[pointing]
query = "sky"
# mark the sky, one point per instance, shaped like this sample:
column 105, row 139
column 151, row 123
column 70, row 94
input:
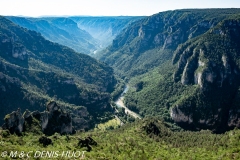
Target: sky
column 35, row 8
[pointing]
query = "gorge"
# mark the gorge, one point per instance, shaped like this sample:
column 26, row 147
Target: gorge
column 165, row 86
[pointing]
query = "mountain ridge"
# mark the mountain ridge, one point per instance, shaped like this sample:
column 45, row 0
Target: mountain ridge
column 35, row 70
column 147, row 53
column 54, row 29
column 104, row 28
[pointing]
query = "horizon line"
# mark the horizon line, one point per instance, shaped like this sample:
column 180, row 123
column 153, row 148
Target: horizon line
column 75, row 15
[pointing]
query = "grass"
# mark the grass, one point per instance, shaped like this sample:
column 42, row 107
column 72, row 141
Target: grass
column 131, row 142
column 111, row 124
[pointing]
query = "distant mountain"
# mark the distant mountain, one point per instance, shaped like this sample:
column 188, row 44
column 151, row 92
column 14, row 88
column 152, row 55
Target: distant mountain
column 61, row 30
column 161, row 33
column 34, row 70
column 104, row 29
column 200, row 89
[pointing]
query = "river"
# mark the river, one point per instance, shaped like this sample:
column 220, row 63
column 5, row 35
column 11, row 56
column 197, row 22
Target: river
column 120, row 103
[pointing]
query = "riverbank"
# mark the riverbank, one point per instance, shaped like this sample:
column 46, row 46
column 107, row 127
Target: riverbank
column 120, row 103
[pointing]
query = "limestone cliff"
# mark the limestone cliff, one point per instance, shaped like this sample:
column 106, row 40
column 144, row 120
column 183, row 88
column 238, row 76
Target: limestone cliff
column 211, row 62
column 153, row 38
column 53, row 119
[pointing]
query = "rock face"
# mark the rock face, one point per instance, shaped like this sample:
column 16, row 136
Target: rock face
column 14, row 122
column 134, row 49
column 11, row 47
column 206, row 53
column 210, row 62
column 54, row 119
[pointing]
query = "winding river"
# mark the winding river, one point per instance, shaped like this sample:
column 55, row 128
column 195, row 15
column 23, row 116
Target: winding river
column 120, row 103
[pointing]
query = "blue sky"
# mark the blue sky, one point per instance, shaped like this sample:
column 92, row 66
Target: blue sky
column 105, row 7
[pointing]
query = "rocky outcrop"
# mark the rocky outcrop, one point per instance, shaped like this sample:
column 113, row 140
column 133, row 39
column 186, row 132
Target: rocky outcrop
column 87, row 142
column 33, row 69
column 14, row 122
column 54, row 119
column 179, row 116
column 14, row 48
column 133, row 51
column 211, row 64
column 19, row 52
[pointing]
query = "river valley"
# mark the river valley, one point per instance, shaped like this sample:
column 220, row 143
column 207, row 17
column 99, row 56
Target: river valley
column 120, row 103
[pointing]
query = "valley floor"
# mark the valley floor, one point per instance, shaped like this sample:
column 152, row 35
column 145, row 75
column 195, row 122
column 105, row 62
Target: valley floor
column 120, row 103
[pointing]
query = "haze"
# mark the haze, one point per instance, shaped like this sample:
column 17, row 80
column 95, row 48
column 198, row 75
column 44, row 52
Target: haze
column 104, row 7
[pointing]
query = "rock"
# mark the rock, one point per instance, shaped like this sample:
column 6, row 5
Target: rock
column 36, row 114
column 14, row 122
column 45, row 141
column 19, row 52
column 180, row 117
column 44, row 120
column 52, row 106
column 215, row 75
column 159, row 39
column 26, row 114
column 54, row 119
column 86, row 143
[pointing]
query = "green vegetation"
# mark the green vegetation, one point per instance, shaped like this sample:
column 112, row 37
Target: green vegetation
column 118, row 89
column 35, row 70
column 145, row 139
column 212, row 59
column 111, row 124
column 158, row 93
column 7, row 117
column 182, row 66
column 150, row 41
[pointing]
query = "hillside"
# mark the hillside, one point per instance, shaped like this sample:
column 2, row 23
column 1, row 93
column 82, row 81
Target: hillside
column 104, row 29
column 143, row 54
column 60, row 30
column 144, row 43
column 142, row 140
column 211, row 62
column 34, row 70
column 168, row 87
